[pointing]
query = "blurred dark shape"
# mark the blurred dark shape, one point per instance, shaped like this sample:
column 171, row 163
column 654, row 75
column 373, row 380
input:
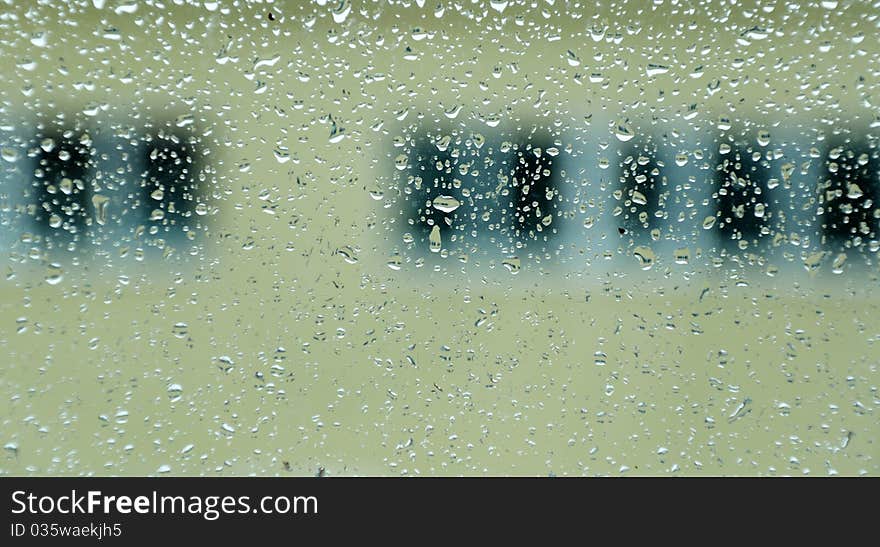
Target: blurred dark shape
column 445, row 186
column 169, row 187
column 848, row 193
column 742, row 177
column 641, row 187
column 60, row 189
column 535, row 195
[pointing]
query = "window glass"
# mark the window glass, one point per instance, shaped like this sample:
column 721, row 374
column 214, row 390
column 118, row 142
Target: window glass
column 439, row 237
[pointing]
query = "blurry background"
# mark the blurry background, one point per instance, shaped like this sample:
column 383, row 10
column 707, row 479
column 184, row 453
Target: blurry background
column 478, row 238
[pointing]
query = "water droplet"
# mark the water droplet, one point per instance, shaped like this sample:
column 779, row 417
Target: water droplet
column 682, row 256
column 655, row 69
column 623, row 131
column 498, row 5
column 434, row 240
column 708, row 222
column 337, row 133
column 184, row 120
column 180, row 329
column 645, row 256
column 763, row 137
column 348, row 254
column 282, row 154
column 341, row 11
column 100, row 204
column 9, row 154
column 395, row 262
column 813, row 261
column 54, row 274
column 512, row 264
column 443, row 143
column 452, row 111
column 837, row 264
column 446, row 204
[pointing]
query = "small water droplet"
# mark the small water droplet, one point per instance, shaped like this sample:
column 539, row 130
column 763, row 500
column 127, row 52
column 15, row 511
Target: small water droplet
column 655, row 69
column 180, row 329
column 54, row 274
column 512, row 264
